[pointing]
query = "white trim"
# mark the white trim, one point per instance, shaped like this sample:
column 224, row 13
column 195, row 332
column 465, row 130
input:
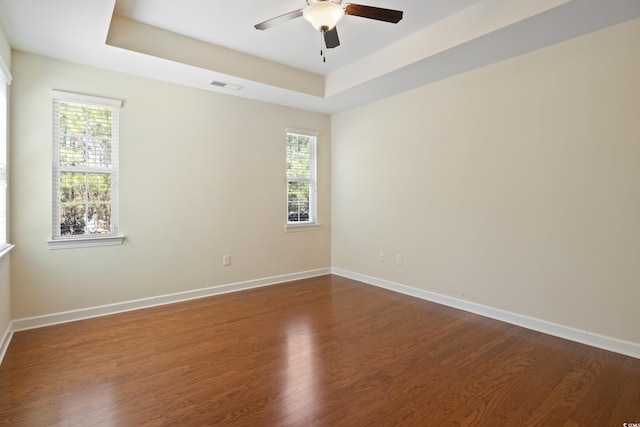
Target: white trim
column 302, row 132
column 85, row 99
column 4, row 250
column 121, row 307
column 61, row 98
column 85, row 242
column 312, row 179
column 5, row 71
column 615, row 345
column 6, row 339
column 584, row 337
column 305, row 226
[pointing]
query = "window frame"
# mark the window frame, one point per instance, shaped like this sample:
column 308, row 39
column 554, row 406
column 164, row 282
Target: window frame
column 312, row 223
column 59, row 241
column 5, row 82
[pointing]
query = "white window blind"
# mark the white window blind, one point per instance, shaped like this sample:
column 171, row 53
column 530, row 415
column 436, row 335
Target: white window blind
column 301, row 177
column 85, row 166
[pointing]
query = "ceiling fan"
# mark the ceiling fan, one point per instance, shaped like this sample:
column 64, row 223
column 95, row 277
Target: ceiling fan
column 325, row 14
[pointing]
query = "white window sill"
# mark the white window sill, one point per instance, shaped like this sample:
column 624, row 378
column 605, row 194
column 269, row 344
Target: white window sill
column 85, row 242
column 4, row 250
column 301, row 227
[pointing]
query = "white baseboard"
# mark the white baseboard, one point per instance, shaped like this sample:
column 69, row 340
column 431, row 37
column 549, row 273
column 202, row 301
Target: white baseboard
column 615, row 345
column 585, row 337
column 6, row 339
column 121, row 307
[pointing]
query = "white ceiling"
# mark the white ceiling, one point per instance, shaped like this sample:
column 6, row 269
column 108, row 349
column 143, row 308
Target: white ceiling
column 192, row 42
column 295, row 43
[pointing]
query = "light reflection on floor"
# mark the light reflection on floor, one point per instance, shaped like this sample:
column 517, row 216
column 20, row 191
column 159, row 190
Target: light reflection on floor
column 300, row 391
column 83, row 412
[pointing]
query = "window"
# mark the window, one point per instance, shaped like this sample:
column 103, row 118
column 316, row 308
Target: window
column 85, row 170
column 5, row 79
column 301, row 178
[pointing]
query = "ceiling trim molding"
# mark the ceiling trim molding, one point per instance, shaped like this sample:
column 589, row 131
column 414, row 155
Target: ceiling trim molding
column 136, row 36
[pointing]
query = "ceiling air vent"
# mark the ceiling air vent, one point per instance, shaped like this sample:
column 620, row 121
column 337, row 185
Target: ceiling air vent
column 226, row 85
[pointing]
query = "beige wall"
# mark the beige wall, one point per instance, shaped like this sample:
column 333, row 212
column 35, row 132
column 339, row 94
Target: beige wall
column 515, row 186
column 5, row 286
column 202, row 175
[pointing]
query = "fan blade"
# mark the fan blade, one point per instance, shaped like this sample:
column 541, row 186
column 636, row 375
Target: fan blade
column 331, row 39
column 278, row 20
column 377, row 13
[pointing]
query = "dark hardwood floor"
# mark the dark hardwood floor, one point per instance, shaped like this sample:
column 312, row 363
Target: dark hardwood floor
column 326, row 351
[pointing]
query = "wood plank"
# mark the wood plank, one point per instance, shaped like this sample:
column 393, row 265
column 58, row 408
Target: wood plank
column 321, row 351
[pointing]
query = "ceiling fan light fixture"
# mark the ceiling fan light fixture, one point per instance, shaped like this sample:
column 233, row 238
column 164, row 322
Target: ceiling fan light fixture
column 323, row 14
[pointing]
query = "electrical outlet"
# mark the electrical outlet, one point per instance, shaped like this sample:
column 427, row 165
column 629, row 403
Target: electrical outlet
column 399, row 259
column 381, row 256
column 226, row 260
